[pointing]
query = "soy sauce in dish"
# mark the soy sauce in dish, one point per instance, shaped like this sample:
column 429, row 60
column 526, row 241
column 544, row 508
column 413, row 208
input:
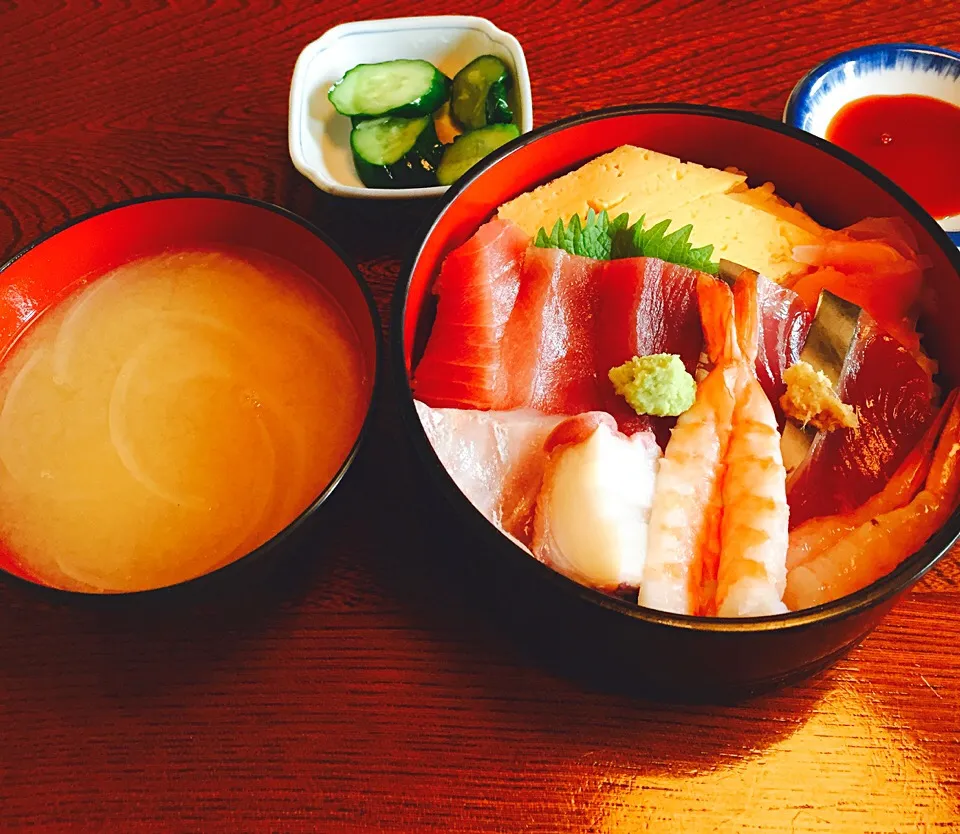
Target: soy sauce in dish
column 912, row 139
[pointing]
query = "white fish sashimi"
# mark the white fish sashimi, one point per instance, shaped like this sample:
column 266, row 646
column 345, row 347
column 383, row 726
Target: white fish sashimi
column 593, row 511
column 496, row 458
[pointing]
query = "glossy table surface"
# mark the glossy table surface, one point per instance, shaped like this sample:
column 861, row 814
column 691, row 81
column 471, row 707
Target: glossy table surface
column 361, row 689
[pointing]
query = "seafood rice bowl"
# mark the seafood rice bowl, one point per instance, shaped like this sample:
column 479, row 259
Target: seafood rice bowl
column 696, row 387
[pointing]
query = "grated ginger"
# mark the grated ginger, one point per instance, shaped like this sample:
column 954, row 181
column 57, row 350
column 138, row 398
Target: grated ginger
column 811, row 400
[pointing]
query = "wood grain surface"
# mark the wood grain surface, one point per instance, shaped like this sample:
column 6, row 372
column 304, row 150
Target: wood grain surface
column 362, row 689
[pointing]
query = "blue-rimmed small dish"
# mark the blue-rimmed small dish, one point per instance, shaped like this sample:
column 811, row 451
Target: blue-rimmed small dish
column 877, row 69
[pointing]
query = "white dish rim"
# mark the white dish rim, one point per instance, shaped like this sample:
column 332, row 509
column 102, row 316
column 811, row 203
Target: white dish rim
column 298, row 90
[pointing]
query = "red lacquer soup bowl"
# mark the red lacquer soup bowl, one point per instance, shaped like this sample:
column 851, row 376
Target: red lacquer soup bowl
column 590, row 632
column 51, row 269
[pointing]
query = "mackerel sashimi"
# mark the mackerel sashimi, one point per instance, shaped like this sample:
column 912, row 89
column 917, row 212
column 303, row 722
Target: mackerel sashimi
column 477, row 287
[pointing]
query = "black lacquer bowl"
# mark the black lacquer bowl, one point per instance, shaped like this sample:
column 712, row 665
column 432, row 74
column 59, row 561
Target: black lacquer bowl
column 53, row 267
column 672, row 655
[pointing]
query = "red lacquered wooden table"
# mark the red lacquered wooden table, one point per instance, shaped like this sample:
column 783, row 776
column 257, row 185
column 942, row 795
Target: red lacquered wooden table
column 360, row 691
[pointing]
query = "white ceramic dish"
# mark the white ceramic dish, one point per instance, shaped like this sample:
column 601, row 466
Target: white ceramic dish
column 877, row 69
column 319, row 136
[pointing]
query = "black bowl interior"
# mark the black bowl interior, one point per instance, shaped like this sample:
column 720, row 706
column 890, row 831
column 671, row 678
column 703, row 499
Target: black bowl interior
column 832, row 185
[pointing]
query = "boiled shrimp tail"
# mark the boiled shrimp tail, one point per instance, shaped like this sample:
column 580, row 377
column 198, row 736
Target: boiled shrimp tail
column 747, row 306
column 718, row 319
column 753, row 532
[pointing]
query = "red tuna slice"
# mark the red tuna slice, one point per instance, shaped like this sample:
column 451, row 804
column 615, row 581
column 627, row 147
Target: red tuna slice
column 646, row 306
column 549, row 343
column 576, row 318
column 784, row 323
column 893, row 398
column 477, row 287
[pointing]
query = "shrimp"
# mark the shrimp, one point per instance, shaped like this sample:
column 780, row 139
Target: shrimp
column 683, row 548
column 753, row 532
column 718, row 526
column 818, row 534
column 878, row 545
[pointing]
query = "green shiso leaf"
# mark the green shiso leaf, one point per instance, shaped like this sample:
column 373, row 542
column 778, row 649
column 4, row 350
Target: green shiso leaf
column 603, row 239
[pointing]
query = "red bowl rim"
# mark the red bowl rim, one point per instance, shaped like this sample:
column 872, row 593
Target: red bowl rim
column 908, row 572
column 231, row 571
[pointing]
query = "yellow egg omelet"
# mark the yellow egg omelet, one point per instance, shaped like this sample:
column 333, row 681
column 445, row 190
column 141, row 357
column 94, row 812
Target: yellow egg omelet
column 751, row 226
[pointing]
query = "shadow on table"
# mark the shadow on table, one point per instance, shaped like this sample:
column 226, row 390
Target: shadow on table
column 550, row 688
column 140, row 646
column 371, row 547
column 365, row 229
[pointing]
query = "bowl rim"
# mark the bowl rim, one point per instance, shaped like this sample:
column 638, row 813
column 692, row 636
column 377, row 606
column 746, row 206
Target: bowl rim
column 411, row 23
column 231, row 570
column 799, row 99
column 907, row 573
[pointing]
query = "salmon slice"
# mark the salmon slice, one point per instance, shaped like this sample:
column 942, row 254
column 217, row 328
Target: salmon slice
column 874, row 264
column 477, row 288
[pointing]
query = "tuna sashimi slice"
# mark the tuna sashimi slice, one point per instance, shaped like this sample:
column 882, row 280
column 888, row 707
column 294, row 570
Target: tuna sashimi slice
column 894, row 400
column 576, row 318
column 477, row 288
column 646, row 306
column 549, row 343
column 526, row 327
column 784, row 323
column 495, row 458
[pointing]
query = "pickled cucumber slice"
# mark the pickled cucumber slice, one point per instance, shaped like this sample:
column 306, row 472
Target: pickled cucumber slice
column 467, row 150
column 403, row 87
column 479, row 94
column 390, row 152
